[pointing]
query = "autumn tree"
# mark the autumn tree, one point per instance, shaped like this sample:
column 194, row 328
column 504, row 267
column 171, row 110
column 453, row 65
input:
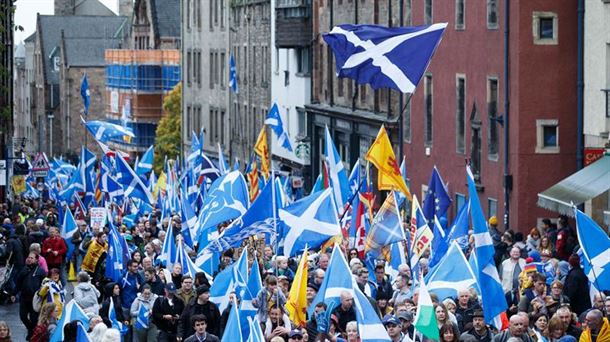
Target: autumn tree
column 167, row 140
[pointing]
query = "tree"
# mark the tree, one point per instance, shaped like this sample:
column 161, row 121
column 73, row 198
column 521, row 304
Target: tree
column 167, row 140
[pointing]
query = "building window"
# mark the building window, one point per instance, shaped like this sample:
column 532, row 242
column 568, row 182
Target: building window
column 277, row 60
column 211, row 70
column 222, row 126
column 547, row 136
column 363, row 93
column 188, row 14
column 460, row 113
column 211, row 14
column 428, row 110
column 492, row 207
column 428, row 12
column 302, row 122
column 407, row 122
column 492, row 112
column 545, row 28
column 460, row 8
column 189, row 66
column 189, row 121
column 340, row 86
column 303, row 61
column 460, row 200
column 222, row 70
column 475, row 144
column 492, row 14
column 222, row 13
column 408, row 16
column 199, row 67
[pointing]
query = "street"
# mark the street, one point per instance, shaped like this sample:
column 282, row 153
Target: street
column 10, row 314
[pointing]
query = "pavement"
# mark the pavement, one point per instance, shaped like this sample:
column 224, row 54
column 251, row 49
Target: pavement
column 10, row 314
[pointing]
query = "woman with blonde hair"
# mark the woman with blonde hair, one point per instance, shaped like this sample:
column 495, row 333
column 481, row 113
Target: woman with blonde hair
column 5, row 332
column 47, row 322
column 351, row 329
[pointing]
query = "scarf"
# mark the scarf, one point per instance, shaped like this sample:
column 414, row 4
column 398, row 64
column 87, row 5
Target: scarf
column 56, row 289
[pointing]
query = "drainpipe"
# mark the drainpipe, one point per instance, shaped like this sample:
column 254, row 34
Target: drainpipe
column 354, row 83
column 329, row 58
column 508, row 181
column 401, row 133
column 580, row 85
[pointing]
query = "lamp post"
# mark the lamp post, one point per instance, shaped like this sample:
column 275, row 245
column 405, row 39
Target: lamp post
column 50, row 116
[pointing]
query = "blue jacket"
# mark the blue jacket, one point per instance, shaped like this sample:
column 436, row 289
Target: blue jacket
column 130, row 284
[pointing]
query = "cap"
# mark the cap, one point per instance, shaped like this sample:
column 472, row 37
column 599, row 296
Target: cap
column 295, row 332
column 313, row 286
column 170, row 287
column 406, row 315
column 493, row 221
column 202, row 289
column 478, row 313
column 39, row 222
column 389, row 319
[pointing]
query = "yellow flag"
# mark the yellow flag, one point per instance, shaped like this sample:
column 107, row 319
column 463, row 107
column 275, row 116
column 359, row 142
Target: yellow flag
column 261, row 148
column 382, row 156
column 421, row 238
column 160, row 185
column 18, row 184
column 296, row 305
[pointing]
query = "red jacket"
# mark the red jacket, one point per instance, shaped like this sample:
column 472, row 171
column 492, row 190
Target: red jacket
column 55, row 244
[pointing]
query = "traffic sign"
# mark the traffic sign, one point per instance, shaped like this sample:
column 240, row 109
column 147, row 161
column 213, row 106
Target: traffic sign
column 40, row 166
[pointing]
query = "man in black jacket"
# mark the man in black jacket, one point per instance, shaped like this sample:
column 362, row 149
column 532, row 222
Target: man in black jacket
column 156, row 285
column 166, row 313
column 479, row 331
column 199, row 324
column 200, row 306
column 466, row 307
column 29, row 280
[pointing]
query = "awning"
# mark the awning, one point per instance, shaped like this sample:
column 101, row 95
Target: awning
column 583, row 185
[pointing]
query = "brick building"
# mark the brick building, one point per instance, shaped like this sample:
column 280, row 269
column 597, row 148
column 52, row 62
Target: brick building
column 454, row 116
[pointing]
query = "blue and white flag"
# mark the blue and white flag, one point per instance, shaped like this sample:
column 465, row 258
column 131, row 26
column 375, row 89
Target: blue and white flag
column 233, row 75
column 452, row 274
column 227, row 199
column 246, row 309
column 310, row 222
column 143, row 318
column 397, row 258
column 85, row 94
column 232, row 278
column 256, row 333
column 222, row 163
column 494, row 302
column 81, row 333
column 437, row 199
column 30, row 192
column 69, row 226
column 336, row 173
column 370, row 328
column 274, row 120
column 194, row 156
column 114, row 257
column 112, row 188
column 354, row 178
column 133, row 186
column 332, row 286
column 71, row 312
column 116, row 324
column 232, row 332
column 208, row 169
column 146, row 163
column 459, row 229
column 169, row 250
column 595, row 245
column 189, row 220
column 104, row 131
column 439, row 245
column 384, row 57
column 188, row 266
column 73, row 186
column 387, row 226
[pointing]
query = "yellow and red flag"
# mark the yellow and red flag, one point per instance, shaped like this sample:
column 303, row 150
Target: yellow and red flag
column 253, row 180
column 296, row 305
column 382, row 156
column 261, row 148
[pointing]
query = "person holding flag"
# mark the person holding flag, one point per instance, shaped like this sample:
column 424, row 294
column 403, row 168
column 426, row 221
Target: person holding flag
column 141, row 310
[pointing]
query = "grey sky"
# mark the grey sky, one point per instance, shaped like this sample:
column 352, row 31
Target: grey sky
column 25, row 14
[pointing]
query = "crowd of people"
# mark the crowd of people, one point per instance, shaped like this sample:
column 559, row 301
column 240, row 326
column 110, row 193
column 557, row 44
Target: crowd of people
column 546, row 288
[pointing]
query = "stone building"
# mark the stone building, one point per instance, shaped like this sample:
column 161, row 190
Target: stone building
column 23, row 132
column 155, row 24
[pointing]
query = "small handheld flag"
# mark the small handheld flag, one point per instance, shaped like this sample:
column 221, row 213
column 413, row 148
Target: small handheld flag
column 85, row 94
column 233, row 75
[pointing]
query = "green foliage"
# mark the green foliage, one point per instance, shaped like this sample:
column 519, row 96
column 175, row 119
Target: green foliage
column 167, row 140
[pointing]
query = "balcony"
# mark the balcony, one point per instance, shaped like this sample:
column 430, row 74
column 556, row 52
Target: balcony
column 293, row 23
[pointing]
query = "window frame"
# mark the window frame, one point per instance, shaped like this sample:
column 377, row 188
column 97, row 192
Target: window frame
column 537, row 16
column 492, row 123
column 540, row 125
column 428, row 116
column 462, row 151
column 492, row 25
column 462, row 26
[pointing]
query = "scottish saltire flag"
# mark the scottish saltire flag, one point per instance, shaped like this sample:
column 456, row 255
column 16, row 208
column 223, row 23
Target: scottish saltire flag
column 189, row 221
column 595, row 245
column 169, row 250
column 104, row 131
column 437, row 199
column 309, row 221
column 331, row 287
column 397, row 258
column 208, row 169
column 69, row 226
column 459, row 229
column 354, row 178
column 114, row 257
column 439, row 243
column 222, row 163
column 232, row 278
column 146, row 163
column 133, row 186
column 256, row 333
column 112, row 188
column 384, row 57
column 233, row 75
column 188, row 266
column 143, row 318
column 207, row 261
column 370, row 328
column 232, row 332
column 196, row 150
column 85, row 94
column 30, row 191
column 336, row 173
column 494, row 302
column 115, row 323
column 75, row 185
column 81, row 333
column 246, row 309
column 71, row 312
column 386, row 228
column 256, row 220
column 452, row 274
column 274, row 120
column 227, row 199
column 400, row 197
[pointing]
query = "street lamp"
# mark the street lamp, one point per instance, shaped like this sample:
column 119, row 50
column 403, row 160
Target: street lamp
column 50, row 116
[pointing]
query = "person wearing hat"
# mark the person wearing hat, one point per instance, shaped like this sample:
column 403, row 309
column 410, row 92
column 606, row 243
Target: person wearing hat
column 406, row 325
column 393, row 327
column 166, row 314
column 81, row 240
column 200, row 325
column 200, row 306
column 496, row 236
column 312, row 291
column 295, row 335
column 479, row 330
column 576, row 286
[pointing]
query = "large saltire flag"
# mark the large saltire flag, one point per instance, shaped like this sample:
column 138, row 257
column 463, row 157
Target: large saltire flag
column 332, row 286
column 370, row 328
column 386, row 228
column 104, row 131
column 384, row 57
column 452, row 274
column 382, row 156
column 261, row 148
column 494, row 302
column 595, row 245
column 296, row 305
column 232, row 332
column 146, row 163
column 336, row 172
column 274, row 120
column 71, row 312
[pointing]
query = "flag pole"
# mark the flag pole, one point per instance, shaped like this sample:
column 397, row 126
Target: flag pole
column 401, row 133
